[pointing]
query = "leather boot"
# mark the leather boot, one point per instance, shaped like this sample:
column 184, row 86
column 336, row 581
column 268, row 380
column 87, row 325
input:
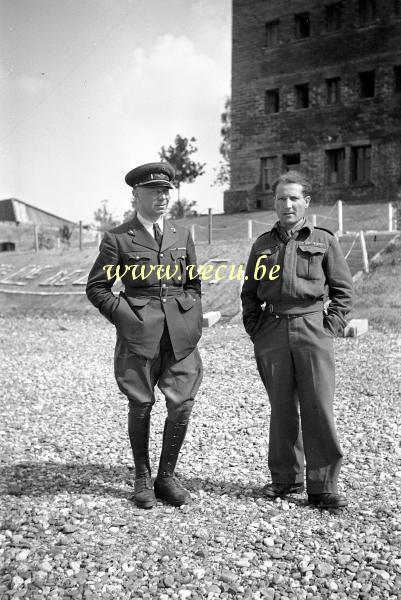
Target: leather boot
column 166, row 485
column 138, row 430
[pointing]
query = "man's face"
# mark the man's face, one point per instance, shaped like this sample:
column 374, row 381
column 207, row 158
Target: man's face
column 152, row 201
column 290, row 203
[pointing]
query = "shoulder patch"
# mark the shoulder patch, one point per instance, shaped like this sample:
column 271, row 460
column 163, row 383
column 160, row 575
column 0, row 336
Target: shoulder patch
column 324, row 229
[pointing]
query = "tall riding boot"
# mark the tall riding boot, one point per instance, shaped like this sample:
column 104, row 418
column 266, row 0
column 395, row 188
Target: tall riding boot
column 166, row 485
column 138, row 430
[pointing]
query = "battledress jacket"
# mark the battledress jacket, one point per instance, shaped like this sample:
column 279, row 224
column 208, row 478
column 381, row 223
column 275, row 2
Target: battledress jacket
column 160, row 287
column 311, row 268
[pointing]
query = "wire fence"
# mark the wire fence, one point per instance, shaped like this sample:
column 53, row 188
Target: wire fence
column 341, row 218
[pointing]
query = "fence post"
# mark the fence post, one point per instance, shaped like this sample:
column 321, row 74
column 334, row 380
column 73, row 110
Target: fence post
column 314, row 220
column 390, row 216
column 365, row 260
column 241, row 283
column 210, row 236
column 35, row 235
column 193, row 232
column 398, row 214
column 340, row 217
column 80, row 235
column 249, row 229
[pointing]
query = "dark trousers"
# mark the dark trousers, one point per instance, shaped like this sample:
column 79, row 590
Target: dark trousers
column 295, row 359
column 178, row 380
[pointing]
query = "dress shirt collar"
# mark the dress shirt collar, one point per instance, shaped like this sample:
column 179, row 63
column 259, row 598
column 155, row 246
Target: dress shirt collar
column 287, row 234
column 148, row 225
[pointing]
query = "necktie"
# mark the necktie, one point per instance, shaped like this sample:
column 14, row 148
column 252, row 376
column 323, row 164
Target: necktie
column 158, row 234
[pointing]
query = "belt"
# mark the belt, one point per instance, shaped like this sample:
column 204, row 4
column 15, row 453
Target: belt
column 282, row 310
column 155, row 291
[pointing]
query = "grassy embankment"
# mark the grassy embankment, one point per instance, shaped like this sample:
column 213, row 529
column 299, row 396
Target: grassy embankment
column 377, row 295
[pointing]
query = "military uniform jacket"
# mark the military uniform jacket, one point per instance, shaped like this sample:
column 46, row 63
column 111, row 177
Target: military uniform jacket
column 311, row 268
column 158, row 286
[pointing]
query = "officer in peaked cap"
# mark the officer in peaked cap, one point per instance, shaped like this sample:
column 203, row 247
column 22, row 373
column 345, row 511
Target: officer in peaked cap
column 151, row 174
column 158, row 321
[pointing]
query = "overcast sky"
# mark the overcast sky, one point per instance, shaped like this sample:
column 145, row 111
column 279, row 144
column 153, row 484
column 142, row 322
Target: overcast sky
column 89, row 89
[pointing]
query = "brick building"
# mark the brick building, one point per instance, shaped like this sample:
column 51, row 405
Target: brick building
column 316, row 85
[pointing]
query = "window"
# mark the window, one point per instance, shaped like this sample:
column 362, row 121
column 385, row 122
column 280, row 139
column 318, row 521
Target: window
column 291, row 161
column 272, row 31
column 272, row 101
column 397, row 78
column 302, row 25
column 302, row 95
column 268, row 172
column 360, row 164
column 367, row 84
column 367, row 11
column 333, row 90
column 333, row 17
column 335, row 166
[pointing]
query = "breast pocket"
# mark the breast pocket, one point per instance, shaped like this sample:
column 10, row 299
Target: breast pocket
column 139, row 257
column 309, row 261
column 265, row 260
column 140, row 264
column 178, row 258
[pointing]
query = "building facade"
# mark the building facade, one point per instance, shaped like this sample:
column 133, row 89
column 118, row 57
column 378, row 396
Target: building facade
column 316, row 85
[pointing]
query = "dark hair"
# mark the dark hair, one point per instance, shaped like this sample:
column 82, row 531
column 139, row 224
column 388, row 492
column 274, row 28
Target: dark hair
column 294, row 177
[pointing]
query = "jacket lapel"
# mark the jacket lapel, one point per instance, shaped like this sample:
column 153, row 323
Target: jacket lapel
column 140, row 236
column 169, row 235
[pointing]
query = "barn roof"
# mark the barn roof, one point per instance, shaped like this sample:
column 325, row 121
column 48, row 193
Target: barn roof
column 17, row 211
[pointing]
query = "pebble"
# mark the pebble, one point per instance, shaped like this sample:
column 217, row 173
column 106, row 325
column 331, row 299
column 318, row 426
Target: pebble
column 168, row 581
column 228, row 577
column 323, row 570
column 74, row 534
column 46, row 566
column 68, row 529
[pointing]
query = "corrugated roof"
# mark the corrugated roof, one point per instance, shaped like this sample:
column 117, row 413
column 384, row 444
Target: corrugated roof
column 17, row 211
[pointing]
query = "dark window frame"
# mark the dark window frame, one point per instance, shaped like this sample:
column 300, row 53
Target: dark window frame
column 302, row 26
column 268, row 172
column 272, row 101
column 333, row 90
column 367, row 12
column 361, row 163
column 367, row 84
column 272, row 33
column 302, row 96
column 334, row 17
column 397, row 78
column 290, row 161
column 335, row 166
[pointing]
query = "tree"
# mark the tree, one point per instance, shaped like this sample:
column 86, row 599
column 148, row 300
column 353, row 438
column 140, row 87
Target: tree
column 223, row 172
column 128, row 215
column 104, row 218
column 179, row 157
column 65, row 234
column 182, row 208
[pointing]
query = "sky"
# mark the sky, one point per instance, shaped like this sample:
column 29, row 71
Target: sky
column 89, row 89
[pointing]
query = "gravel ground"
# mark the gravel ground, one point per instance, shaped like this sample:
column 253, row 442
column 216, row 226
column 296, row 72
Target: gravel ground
column 70, row 530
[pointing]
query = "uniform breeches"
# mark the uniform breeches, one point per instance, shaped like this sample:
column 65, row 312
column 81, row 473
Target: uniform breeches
column 295, row 358
column 178, row 380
